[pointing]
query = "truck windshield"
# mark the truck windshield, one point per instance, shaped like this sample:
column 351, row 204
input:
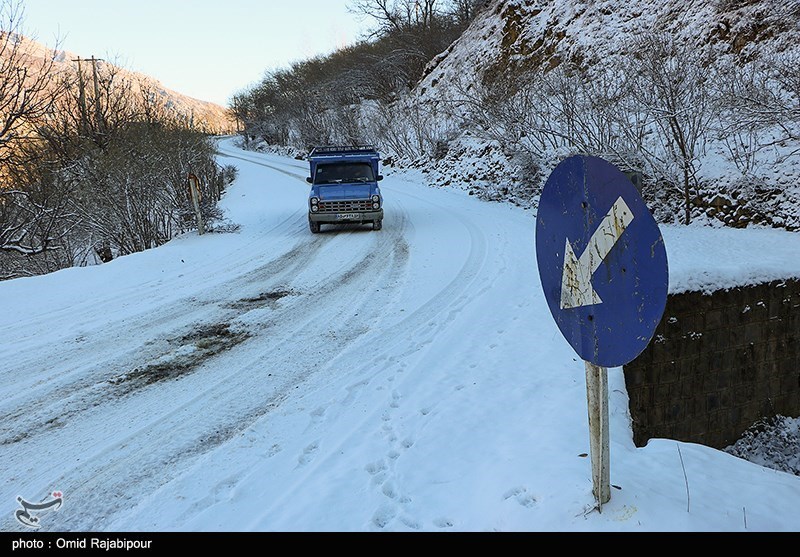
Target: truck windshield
column 336, row 173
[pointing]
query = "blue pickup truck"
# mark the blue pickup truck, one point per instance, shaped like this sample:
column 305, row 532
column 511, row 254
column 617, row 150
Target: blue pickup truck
column 344, row 186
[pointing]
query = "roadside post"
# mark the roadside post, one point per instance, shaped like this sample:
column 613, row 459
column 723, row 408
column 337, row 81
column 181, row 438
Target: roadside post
column 196, row 196
column 603, row 268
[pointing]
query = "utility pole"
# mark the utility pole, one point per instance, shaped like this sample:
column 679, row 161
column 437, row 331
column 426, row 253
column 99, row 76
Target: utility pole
column 98, row 113
column 82, row 98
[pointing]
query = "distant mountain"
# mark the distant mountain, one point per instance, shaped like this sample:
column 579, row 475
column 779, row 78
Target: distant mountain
column 202, row 115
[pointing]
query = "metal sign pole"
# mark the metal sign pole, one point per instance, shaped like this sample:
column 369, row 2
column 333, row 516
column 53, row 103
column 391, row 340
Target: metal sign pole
column 597, row 398
column 603, row 268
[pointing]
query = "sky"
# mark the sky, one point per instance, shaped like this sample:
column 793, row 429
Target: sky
column 412, row 379
column 205, row 49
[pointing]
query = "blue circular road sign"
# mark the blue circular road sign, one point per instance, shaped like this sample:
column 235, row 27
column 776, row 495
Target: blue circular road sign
column 601, row 259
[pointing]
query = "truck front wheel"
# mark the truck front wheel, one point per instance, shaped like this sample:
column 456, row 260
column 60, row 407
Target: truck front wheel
column 314, row 226
column 377, row 224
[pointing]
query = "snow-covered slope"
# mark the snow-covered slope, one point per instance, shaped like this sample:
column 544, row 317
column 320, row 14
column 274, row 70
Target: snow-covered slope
column 517, row 34
column 510, row 37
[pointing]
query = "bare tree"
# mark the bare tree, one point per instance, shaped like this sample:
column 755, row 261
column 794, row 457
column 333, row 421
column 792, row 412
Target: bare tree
column 414, row 31
column 406, row 129
column 464, row 11
column 316, row 100
column 134, row 194
column 90, row 168
column 33, row 222
column 758, row 125
column 32, row 217
column 36, row 211
column 398, row 16
column 671, row 84
column 108, row 107
column 25, row 95
column 765, row 94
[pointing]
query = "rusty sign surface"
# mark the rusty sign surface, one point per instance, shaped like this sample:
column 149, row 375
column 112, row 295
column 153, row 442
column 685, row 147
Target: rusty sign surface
column 602, row 261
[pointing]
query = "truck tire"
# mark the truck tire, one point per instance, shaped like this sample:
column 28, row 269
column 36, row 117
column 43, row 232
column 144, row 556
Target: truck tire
column 377, row 224
column 314, row 226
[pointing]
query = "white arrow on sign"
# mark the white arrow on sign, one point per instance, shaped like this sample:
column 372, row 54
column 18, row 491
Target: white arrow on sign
column 576, row 281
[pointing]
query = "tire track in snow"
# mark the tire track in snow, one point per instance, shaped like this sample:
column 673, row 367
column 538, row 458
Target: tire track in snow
column 141, row 458
column 270, row 165
column 133, row 295
column 70, row 364
column 410, row 334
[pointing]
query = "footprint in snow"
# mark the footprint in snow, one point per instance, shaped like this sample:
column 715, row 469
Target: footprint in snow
column 353, row 390
column 384, row 515
column 317, row 415
column 389, row 490
column 410, row 522
column 375, row 467
column 443, row 523
column 308, row 453
column 520, row 495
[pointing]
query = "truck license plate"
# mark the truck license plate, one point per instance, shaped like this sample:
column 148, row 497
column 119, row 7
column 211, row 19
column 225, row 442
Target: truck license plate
column 348, row 216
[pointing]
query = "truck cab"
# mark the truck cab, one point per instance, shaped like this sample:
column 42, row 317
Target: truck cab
column 344, row 186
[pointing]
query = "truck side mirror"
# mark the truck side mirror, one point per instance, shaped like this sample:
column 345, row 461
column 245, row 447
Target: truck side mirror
column 308, row 179
column 380, row 177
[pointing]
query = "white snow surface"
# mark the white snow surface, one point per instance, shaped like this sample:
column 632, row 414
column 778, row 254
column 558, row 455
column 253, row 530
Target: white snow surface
column 408, row 379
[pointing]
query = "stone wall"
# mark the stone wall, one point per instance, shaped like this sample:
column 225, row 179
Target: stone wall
column 717, row 364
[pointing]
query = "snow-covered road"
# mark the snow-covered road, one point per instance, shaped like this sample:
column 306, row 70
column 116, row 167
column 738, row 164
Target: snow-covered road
column 410, row 378
column 124, row 377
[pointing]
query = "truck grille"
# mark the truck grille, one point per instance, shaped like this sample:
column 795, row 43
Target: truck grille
column 349, row 206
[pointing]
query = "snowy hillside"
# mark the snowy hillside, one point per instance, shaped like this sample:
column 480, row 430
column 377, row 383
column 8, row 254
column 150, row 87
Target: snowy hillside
column 534, row 33
column 513, row 39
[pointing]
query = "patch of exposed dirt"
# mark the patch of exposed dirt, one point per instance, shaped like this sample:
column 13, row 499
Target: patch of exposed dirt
column 263, row 299
column 191, row 350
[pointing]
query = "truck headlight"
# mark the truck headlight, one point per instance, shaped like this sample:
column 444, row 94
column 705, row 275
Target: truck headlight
column 376, row 199
column 376, row 205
